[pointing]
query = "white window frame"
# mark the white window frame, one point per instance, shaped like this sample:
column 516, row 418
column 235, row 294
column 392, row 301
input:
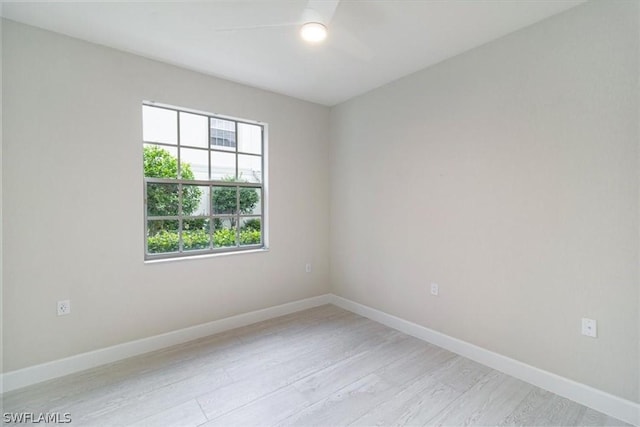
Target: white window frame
column 261, row 187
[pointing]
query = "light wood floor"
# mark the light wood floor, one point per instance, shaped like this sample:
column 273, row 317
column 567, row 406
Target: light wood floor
column 323, row 366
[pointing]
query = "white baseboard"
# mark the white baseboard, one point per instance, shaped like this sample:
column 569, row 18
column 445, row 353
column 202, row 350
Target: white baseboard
column 58, row 368
column 609, row 404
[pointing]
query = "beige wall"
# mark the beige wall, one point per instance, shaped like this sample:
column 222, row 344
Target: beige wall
column 509, row 176
column 73, row 219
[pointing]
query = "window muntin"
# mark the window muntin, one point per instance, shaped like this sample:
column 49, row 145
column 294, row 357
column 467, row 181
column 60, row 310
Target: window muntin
column 203, row 183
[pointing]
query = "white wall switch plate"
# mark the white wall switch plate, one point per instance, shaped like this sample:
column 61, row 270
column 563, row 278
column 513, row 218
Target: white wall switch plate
column 307, row 267
column 589, row 328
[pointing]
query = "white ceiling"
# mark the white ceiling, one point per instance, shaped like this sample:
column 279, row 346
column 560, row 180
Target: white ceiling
column 370, row 42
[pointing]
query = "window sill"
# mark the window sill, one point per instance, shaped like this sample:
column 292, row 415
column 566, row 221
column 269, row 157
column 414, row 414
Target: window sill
column 203, row 256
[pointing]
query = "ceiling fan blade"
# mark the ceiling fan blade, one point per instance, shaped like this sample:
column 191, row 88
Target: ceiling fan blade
column 325, row 9
column 321, row 11
column 256, row 27
column 345, row 41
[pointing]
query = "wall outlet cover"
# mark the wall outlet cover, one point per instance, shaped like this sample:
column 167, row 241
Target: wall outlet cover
column 589, row 328
column 64, row 307
column 435, row 289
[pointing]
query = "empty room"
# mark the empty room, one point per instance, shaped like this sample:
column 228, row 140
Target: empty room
column 320, row 212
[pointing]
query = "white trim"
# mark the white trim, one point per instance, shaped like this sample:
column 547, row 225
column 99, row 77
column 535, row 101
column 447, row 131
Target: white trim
column 58, row 368
column 609, row 404
column 599, row 400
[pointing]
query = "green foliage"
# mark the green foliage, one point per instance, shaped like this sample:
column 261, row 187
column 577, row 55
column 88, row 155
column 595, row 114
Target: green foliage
column 162, row 199
column 227, row 237
column 159, row 163
column 167, row 241
column 162, row 241
column 224, row 199
column 252, row 224
column 197, row 239
column 250, row 237
column 224, row 237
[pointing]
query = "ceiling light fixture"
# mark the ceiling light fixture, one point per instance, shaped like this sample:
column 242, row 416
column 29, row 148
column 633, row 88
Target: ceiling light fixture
column 313, row 32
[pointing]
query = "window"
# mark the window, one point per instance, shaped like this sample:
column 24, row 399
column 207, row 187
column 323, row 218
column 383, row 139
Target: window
column 223, row 133
column 204, row 186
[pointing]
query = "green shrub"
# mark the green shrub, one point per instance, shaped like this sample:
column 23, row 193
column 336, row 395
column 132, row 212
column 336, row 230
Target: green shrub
column 167, row 241
column 224, row 237
column 197, row 239
column 163, row 241
column 250, row 237
column 227, row 237
column 252, row 224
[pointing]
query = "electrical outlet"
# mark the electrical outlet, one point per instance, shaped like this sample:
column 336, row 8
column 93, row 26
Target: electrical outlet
column 589, row 328
column 435, row 289
column 307, row 267
column 64, row 307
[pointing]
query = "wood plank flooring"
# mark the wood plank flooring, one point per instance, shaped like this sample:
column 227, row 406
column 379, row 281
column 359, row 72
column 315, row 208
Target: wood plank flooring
column 320, row 367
